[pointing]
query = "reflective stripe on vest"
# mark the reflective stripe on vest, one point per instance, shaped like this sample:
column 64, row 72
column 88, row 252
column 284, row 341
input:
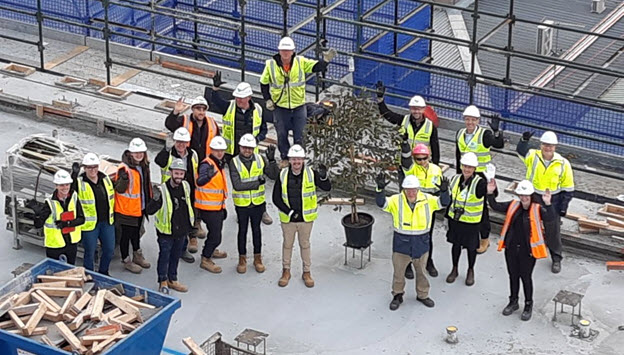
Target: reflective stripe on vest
column 544, row 177
column 467, row 199
column 247, row 197
column 212, row 130
column 53, row 236
column 538, row 247
column 212, row 195
column 475, row 145
column 163, row 216
column 87, row 200
column 128, row 203
column 423, row 135
column 229, row 131
column 408, row 221
column 428, row 178
column 308, row 195
column 165, row 173
column 291, row 94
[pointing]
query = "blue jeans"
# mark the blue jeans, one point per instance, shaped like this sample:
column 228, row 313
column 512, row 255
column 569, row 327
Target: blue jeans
column 168, row 257
column 289, row 120
column 106, row 234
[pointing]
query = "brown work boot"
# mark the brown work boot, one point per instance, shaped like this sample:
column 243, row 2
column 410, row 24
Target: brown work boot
column 484, row 244
column 218, row 254
column 283, row 281
column 198, row 230
column 283, row 164
column 242, row 264
column 453, row 275
column 192, row 245
column 209, row 265
column 307, row 279
column 470, row 277
column 163, row 287
column 140, row 260
column 176, row 285
column 266, row 219
column 258, row 263
column 132, row 267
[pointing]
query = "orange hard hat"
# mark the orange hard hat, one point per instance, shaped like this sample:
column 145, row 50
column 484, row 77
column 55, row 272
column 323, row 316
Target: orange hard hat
column 420, row 149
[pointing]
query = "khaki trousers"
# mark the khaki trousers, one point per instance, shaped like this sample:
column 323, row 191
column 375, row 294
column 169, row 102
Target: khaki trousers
column 399, row 262
column 303, row 231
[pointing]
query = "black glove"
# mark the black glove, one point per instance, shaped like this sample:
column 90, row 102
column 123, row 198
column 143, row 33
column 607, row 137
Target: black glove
column 224, row 214
column 270, row 153
column 37, row 207
column 495, row 123
column 405, row 147
column 62, row 224
column 444, row 185
column 380, row 88
column 295, row 215
column 405, row 137
column 526, row 136
column 381, row 181
column 562, row 213
column 322, row 171
column 261, row 180
column 216, row 79
column 156, row 194
column 75, row 170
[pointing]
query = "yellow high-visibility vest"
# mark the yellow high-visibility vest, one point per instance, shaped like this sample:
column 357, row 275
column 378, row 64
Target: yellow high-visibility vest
column 87, row 200
column 408, row 221
column 229, row 131
column 475, row 145
column 247, row 197
column 53, row 236
column 556, row 177
column 308, row 195
column 429, row 177
column 163, row 216
column 467, row 199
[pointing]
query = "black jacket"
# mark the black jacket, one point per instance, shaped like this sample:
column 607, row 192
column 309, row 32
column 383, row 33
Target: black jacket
column 199, row 136
column 180, row 223
column 294, row 192
column 42, row 212
column 121, row 185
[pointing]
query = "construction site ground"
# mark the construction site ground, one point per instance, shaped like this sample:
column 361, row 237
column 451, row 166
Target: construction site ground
column 347, row 311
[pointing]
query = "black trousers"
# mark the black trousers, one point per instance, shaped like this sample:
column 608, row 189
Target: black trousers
column 69, row 250
column 245, row 215
column 430, row 257
column 214, row 225
column 129, row 234
column 520, row 266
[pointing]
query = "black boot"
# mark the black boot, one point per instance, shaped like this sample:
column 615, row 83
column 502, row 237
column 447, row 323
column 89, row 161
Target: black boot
column 431, row 269
column 528, row 310
column 556, row 267
column 396, row 302
column 511, row 307
column 409, row 273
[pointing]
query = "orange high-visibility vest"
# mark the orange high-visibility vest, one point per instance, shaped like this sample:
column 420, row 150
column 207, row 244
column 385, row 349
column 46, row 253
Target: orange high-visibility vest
column 128, row 203
column 538, row 247
column 213, row 129
column 211, row 196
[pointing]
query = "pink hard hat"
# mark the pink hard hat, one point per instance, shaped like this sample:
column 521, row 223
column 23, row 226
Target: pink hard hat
column 420, row 149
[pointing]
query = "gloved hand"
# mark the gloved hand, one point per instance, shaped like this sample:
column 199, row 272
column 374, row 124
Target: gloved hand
column 294, row 215
column 405, row 147
column 381, row 181
column 562, row 213
column 526, row 136
column 381, row 89
column 444, row 185
column 329, row 55
column 270, row 105
column 156, row 194
column 216, row 79
column 224, row 214
column 495, row 123
column 75, row 170
column 261, row 180
column 62, row 224
column 270, row 153
column 322, row 171
column 405, row 137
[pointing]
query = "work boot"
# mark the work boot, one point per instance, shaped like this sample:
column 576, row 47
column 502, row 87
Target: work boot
column 396, row 301
column 266, row 219
column 409, row 272
column 426, row 301
column 188, row 257
column 242, row 264
column 283, row 164
column 556, row 267
column 192, row 245
column 139, row 259
column 163, row 287
column 452, row 276
column 528, row 310
column 175, row 285
column 431, row 269
column 470, row 277
column 258, row 263
column 132, row 267
column 484, row 244
column 307, row 279
column 209, row 265
column 198, row 230
column 511, row 307
column 283, row 281
column 218, row 254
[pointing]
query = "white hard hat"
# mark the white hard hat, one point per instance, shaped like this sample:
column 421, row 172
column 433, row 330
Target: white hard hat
column 218, row 143
column 248, row 140
column 90, row 159
column 410, row 182
column 549, row 137
column 199, row 100
column 137, row 145
column 525, row 187
column 177, row 164
column 472, row 111
column 469, row 159
column 287, row 44
column 242, row 90
column 296, row 151
column 417, row 101
column 182, row 135
column 62, row 177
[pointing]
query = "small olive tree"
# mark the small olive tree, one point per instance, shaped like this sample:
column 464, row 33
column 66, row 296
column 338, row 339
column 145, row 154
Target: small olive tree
column 355, row 143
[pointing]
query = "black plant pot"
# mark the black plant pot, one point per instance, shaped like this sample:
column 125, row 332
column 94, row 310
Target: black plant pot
column 358, row 235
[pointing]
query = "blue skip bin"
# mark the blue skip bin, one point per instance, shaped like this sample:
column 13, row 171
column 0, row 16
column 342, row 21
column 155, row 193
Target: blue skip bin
column 147, row 339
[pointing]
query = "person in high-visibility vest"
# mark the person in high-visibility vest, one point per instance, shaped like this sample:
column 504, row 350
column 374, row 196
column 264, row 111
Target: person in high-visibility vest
column 182, row 150
column 465, row 214
column 96, row 193
column 412, row 214
column 283, row 84
column 247, row 171
column 429, row 177
column 133, row 191
column 201, row 127
column 210, row 196
column 522, row 237
column 175, row 217
column 548, row 170
column 294, row 194
column 61, row 217
column 478, row 140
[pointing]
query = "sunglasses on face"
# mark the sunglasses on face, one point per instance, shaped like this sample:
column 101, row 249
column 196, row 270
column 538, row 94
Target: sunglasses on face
column 421, row 159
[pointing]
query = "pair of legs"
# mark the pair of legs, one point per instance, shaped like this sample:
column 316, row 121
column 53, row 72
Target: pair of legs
column 105, row 233
column 520, row 266
column 302, row 231
column 246, row 215
column 214, row 225
column 129, row 235
column 287, row 120
column 431, row 269
column 455, row 254
column 170, row 250
column 69, row 250
column 399, row 262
